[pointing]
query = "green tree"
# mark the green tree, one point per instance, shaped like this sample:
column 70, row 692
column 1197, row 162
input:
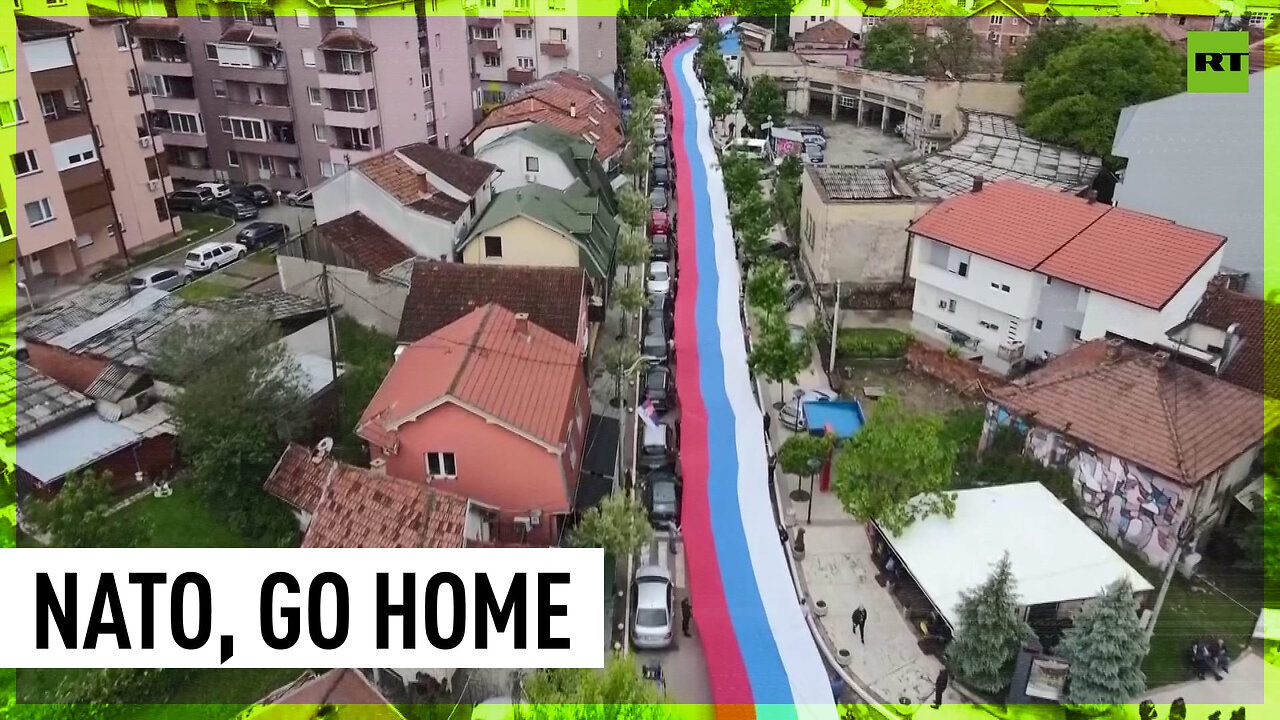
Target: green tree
column 890, row 47
column 773, row 355
column 633, row 249
column 629, row 297
column 617, row 360
column 633, row 207
column 643, row 78
column 767, row 286
column 710, row 36
column 720, row 102
column 1105, row 647
column 1048, row 41
column 790, row 169
column 1077, row 97
column 896, row 470
column 990, row 632
column 1259, row 537
column 741, row 176
column 635, row 164
column 241, row 399
column 955, row 51
column 752, row 218
column 764, row 102
column 619, row 524
column 797, row 451
column 617, row 691
column 77, row 517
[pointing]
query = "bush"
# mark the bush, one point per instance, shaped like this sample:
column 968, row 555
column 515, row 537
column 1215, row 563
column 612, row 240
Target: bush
column 872, row 343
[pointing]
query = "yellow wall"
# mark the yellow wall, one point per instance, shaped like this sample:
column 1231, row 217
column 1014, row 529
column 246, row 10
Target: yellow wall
column 525, row 242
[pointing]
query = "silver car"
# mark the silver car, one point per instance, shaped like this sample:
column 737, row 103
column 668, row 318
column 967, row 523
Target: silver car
column 158, row 278
column 653, row 608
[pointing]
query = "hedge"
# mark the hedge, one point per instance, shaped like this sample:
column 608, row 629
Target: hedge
column 872, row 343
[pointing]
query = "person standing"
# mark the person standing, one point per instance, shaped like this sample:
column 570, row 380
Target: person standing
column 860, row 623
column 686, row 615
column 1178, row 709
column 940, row 686
column 768, row 421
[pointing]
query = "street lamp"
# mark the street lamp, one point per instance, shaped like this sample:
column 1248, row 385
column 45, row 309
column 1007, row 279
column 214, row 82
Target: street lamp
column 814, row 466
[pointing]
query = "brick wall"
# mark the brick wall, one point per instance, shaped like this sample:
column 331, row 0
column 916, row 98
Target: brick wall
column 964, row 377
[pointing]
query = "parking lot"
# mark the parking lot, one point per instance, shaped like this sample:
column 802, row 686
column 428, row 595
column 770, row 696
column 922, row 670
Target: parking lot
column 848, row 144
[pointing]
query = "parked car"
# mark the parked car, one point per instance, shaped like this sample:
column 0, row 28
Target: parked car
column 813, row 154
column 660, row 158
column 660, row 177
column 795, row 291
column 658, row 198
column 660, row 280
column 255, row 193
column 662, row 496
column 236, row 208
column 661, row 247
column 792, row 414
column 660, row 136
column 191, row 200
column 657, row 448
column 656, row 347
column 211, row 256
column 659, row 388
column 299, row 198
column 653, row 608
column 818, row 140
column 659, row 222
column 261, row 234
column 158, row 278
column 782, row 249
column 806, row 128
column 219, row 190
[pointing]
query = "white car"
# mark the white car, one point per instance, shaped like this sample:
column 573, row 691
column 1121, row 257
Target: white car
column 211, row 256
column 219, row 190
column 693, row 29
column 652, row 608
column 299, row 198
column 659, row 282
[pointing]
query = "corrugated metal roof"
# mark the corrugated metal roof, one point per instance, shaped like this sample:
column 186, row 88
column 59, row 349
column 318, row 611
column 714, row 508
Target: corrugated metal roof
column 115, row 382
column 44, row 401
column 72, row 446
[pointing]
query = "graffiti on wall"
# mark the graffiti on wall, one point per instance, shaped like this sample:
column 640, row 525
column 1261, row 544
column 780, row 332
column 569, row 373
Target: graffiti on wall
column 1128, row 503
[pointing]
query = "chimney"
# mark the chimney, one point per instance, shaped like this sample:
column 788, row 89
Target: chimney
column 1092, row 196
column 1114, row 347
column 522, row 324
column 378, row 466
column 573, row 109
column 1160, row 359
column 977, row 183
column 424, row 185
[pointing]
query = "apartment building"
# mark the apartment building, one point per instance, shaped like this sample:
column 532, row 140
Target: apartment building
column 90, row 184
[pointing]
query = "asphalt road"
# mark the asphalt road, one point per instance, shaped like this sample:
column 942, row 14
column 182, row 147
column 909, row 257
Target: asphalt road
column 297, row 218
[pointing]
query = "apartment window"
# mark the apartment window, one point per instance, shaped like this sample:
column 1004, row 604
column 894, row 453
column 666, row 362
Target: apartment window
column 426, row 80
column 531, row 163
column 308, row 57
column 185, row 123
column 56, row 3
column 202, row 12
column 996, row 19
column 75, row 152
column 492, row 246
column 265, row 164
column 1038, row 324
column 314, row 96
column 244, row 128
column 304, row 18
column 6, row 225
column 442, row 465
column 351, row 63
column 1259, row 19
column 437, row 41
column 998, row 286
column 319, row 132
column 11, row 113
column 49, row 104
column 559, row 34
column 355, row 100
column 345, row 18
column 233, row 158
column 524, row 32
column 935, row 121
column 491, row 60
column 555, row 4
column 123, row 40
column 39, row 212
column 85, row 240
column 989, row 326
column 521, row 4
column 326, row 169
column 359, row 138
column 6, row 64
column 957, row 260
column 25, row 163
column 951, row 306
column 524, row 63
column 211, row 52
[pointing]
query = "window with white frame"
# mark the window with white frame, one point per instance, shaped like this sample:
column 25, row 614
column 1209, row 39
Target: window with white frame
column 492, row 60
column 244, row 128
column 442, row 465
column 304, row 18
column 318, row 130
column 531, row 163
column 996, row 19
column 426, row 80
column 351, row 62
column 25, row 163
column 308, row 57
column 326, row 169
column 11, row 113
column 6, row 63
column 345, row 18
column 314, row 96
column 211, row 51
column 74, row 152
column 524, row 63
column 185, row 123
column 235, row 56
column 559, row 34
column 524, row 32
column 1259, row 19
column 123, row 41
column 38, row 212
column 265, row 164
column 233, row 158
column 489, row 3
column 219, row 89
column 484, row 33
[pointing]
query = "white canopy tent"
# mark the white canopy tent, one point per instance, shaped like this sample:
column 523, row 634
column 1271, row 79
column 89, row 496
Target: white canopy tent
column 1055, row 558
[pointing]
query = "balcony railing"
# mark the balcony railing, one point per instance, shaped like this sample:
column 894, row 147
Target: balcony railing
column 555, row 48
column 1011, row 352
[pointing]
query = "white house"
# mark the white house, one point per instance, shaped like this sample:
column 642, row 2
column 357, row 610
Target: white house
column 543, row 155
column 425, row 197
column 1009, row 272
column 1190, row 161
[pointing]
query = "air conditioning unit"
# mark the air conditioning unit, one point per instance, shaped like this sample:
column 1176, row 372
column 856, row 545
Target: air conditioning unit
column 531, row 177
column 145, row 141
column 153, row 185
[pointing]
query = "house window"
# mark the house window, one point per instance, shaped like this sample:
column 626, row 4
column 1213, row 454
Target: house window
column 211, row 52
column 958, row 262
column 304, row 18
column 1048, row 281
column 219, row 89
column 123, row 41
column 345, row 18
column 319, row 132
column 989, row 326
column 1013, row 40
column 38, row 212
column 438, row 42
column 351, row 63
column 244, row 128
column 6, row 63
column 524, row 63
column 492, row 246
column 998, row 286
column 48, row 104
column 492, row 61
column 233, row 158
column 441, row 465
column 996, row 19
column 314, row 96
column 25, row 163
column 11, row 113
column 951, row 306
column 559, row 34
column 202, row 12
column 184, row 123
column 326, row 169
column 308, row 57
column 531, row 163
column 355, row 100
column 1039, row 324
column 426, row 80
column 524, row 32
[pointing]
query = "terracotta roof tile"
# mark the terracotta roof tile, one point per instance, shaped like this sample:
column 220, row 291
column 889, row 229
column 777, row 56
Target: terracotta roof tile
column 482, row 361
column 465, row 173
column 1093, row 244
column 395, row 172
column 298, row 480
column 338, row 687
column 365, row 242
column 549, row 102
column 1171, row 419
column 829, row 32
column 441, row 293
column 1253, row 366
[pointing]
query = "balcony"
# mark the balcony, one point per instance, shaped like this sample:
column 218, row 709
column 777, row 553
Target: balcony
column 67, row 124
column 362, row 119
column 170, row 103
column 274, row 148
column 91, row 221
column 183, row 139
column 555, row 48
column 519, row 77
column 1011, row 352
column 490, row 74
column 56, row 79
column 486, row 45
column 242, row 108
column 190, row 174
column 176, row 67
column 346, row 81
column 263, row 75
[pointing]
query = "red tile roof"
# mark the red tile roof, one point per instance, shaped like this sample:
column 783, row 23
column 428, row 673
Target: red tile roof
column 550, row 102
column 483, row 362
column 395, row 172
column 1090, row 244
column 360, row 508
column 829, row 32
column 440, row 293
column 1171, row 419
column 337, row 688
column 365, row 242
column 1254, row 365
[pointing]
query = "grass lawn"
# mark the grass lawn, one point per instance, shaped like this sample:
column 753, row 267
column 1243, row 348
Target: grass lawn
column 182, row 521
column 204, row 289
column 211, row 694
column 368, row 355
column 195, row 227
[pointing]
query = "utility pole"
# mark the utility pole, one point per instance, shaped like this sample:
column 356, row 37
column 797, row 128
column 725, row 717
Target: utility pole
column 333, row 345
column 1184, row 537
column 835, row 329
column 146, row 118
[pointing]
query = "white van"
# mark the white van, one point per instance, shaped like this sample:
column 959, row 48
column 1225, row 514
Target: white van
column 749, row 146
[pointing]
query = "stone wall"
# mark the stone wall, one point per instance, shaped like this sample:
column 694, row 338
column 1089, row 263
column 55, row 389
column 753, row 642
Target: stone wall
column 964, row 377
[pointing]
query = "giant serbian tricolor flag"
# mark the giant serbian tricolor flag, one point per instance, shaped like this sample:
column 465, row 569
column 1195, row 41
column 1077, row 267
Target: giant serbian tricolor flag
column 760, row 654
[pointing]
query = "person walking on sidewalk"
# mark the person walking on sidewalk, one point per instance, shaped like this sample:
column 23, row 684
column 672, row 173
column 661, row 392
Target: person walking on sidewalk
column 860, row 623
column 940, row 686
column 768, row 421
column 686, row 615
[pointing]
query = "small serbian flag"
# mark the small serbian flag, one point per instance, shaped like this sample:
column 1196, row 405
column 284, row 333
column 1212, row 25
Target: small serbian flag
column 648, row 413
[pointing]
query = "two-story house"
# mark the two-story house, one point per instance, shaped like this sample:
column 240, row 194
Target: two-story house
column 1010, row 272
column 423, row 196
column 492, row 408
column 548, row 156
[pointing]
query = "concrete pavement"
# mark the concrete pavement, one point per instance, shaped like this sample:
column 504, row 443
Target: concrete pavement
column 684, row 665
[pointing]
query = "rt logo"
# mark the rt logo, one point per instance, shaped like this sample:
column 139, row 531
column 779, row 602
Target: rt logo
column 1218, row 62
